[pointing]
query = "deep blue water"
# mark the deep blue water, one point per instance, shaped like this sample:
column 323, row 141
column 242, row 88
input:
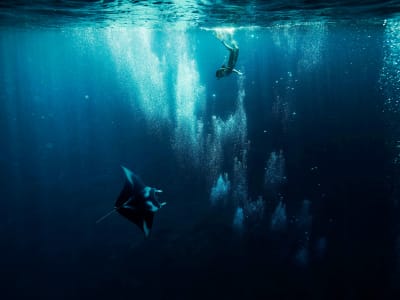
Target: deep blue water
column 281, row 184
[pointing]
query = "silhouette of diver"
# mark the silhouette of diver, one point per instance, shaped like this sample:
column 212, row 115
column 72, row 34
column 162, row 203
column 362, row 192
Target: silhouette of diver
column 227, row 69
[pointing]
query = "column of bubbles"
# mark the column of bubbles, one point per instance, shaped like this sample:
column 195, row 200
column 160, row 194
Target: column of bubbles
column 303, row 225
column 189, row 102
column 305, row 41
column 220, row 191
column 142, row 71
column 230, row 134
column 279, row 217
column 389, row 83
column 274, row 178
column 274, row 175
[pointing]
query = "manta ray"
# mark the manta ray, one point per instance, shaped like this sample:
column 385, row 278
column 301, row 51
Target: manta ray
column 137, row 202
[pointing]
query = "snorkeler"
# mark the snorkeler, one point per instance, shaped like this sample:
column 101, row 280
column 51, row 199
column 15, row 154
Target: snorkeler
column 227, row 69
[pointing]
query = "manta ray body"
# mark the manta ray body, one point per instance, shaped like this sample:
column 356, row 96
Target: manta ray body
column 137, row 202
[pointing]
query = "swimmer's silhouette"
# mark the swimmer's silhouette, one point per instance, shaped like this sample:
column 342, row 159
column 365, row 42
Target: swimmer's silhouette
column 229, row 67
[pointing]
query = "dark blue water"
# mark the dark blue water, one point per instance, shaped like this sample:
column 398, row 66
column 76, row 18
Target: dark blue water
column 282, row 183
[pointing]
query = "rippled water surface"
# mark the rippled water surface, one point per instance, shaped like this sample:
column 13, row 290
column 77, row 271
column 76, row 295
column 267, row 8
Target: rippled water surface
column 206, row 13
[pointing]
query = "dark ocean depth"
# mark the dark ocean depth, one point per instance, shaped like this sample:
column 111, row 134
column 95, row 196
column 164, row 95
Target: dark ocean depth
column 281, row 183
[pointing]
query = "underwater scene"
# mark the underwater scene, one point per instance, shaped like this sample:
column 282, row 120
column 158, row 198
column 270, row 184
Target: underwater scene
column 201, row 149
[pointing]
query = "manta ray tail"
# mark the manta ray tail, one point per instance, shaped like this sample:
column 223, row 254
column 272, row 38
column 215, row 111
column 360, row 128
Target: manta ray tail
column 106, row 215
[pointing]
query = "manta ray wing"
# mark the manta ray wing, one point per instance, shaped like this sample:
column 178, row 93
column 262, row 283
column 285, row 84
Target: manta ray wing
column 132, row 190
column 136, row 183
column 125, row 195
column 142, row 218
column 136, row 202
column 148, row 218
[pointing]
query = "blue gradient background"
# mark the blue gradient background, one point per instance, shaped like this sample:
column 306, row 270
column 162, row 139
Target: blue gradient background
column 76, row 103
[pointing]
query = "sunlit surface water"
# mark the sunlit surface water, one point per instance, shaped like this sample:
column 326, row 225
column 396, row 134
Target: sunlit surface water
column 281, row 183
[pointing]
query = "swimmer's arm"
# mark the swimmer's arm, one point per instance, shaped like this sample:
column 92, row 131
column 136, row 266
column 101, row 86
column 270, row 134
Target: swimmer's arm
column 227, row 46
column 237, row 72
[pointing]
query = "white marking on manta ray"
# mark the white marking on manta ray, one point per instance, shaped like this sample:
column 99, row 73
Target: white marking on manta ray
column 146, row 229
column 146, row 192
column 151, row 207
column 128, row 206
